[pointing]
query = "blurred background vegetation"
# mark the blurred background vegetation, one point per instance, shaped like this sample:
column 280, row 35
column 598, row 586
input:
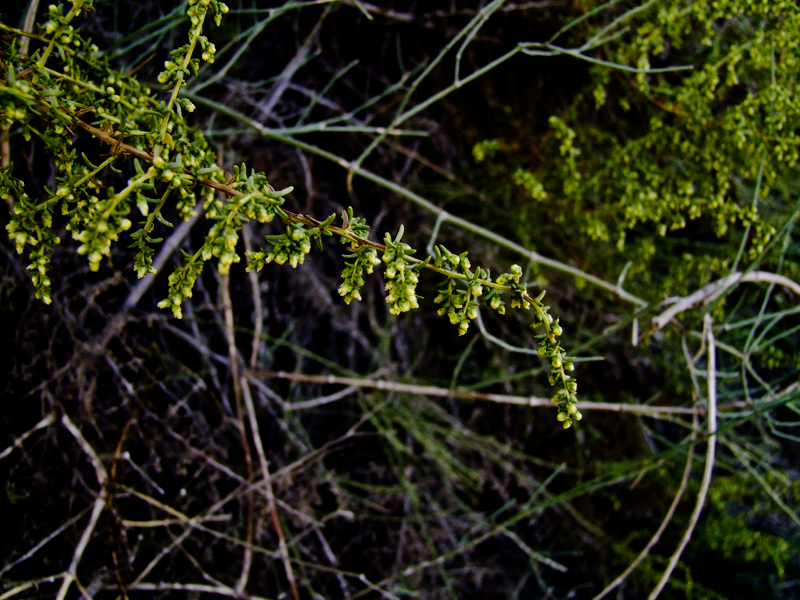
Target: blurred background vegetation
column 626, row 154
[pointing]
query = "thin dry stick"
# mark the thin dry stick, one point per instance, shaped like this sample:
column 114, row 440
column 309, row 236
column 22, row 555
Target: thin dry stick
column 258, row 306
column 331, row 557
column 25, row 586
column 284, row 551
column 196, row 588
column 117, row 534
column 195, row 562
column 375, row 588
column 667, row 518
column 429, row 390
column 196, row 523
column 710, row 452
column 532, row 554
column 46, row 422
column 214, row 463
column 30, row 18
column 192, row 524
column 99, row 505
column 714, row 289
column 170, row 522
column 233, row 360
column 290, row 69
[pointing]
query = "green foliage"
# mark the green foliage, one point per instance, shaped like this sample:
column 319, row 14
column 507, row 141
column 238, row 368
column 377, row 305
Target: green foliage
column 710, row 149
column 172, row 161
column 732, row 529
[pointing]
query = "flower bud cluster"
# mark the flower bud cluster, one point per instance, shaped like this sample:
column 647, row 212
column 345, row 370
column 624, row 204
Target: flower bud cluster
column 519, row 297
column 513, row 278
column 465, row 290
column 58, row 25
column 25, row 228
column 263, row 201
column 181, row 64
column 172, row 173
column 548, row 346
column 143, row 261
column 290, row 247
column 18, row 103
column 207, row 49
column 181, row 283
column 179, row 67
column 366, row 258
column 40, row 263
column 104, row 224
column 97, row 222
column 229, row 217
column 460, row 305
column 31, row 223
column 221, row 242
column 192, row 156
column 401, row 277
column 198, row 8
column 459, row 299
column 24, row 225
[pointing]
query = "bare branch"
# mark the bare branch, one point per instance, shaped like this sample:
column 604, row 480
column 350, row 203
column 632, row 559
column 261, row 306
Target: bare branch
column 713, row 290
column 711, row 446
column 97, row 509
column 428, row 390
column 262, row 459
column 46, row 422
